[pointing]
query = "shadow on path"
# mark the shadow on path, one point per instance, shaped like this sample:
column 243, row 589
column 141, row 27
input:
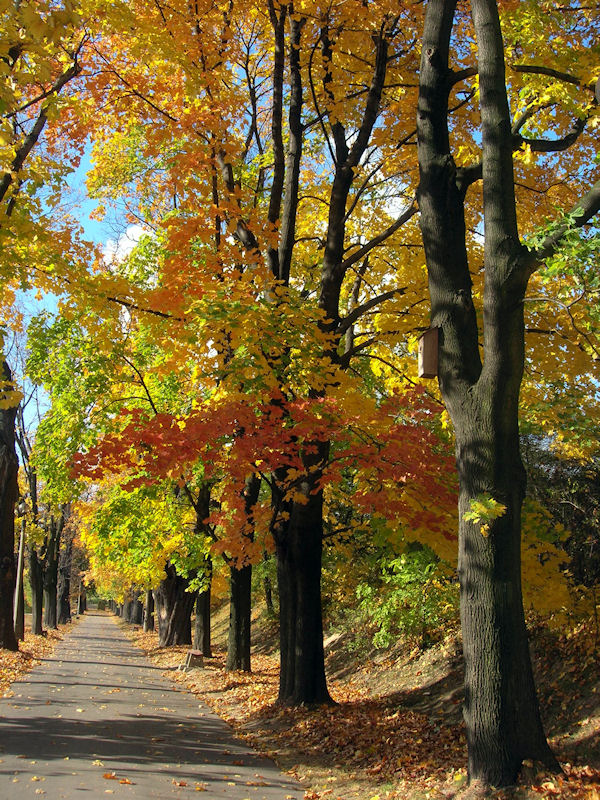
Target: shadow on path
column 97, row 719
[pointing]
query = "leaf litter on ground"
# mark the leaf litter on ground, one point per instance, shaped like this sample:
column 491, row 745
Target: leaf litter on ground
column 409, row 743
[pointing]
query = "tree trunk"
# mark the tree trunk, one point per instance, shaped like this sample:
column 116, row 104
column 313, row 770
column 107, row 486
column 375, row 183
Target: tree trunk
column 174, row 609
column 202, row 625
column 149, row 612
column 19, row 611
column 240, row 602
column 501, row 708
column 50, row 578
column 299, row 550
column 8, row 497
column 127, row 606
column 240, row 607
column 64, row 582
column 137, row 609
column 36, row 581
column 268, row 589
column 82, row 600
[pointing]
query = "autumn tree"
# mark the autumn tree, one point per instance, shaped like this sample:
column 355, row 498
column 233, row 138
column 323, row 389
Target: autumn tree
column 40, row 48
column 257, row 155
column 480, row 381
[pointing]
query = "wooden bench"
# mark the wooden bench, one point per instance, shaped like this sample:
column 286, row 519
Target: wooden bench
column 193, row 660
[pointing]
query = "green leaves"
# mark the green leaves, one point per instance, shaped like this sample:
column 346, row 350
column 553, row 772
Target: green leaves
column 484, row 510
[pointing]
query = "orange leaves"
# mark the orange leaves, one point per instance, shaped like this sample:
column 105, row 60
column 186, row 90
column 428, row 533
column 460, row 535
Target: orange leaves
column 13, row 665
column 111, row 776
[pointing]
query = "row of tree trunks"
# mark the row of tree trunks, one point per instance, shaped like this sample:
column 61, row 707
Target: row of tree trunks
column 240, row 607
column 133, row 608
column 82, row 600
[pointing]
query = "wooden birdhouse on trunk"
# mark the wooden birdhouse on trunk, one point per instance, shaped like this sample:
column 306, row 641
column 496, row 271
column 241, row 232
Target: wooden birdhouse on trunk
column 428, row 353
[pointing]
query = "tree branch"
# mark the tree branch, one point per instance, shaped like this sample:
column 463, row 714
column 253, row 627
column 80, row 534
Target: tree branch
column 356, row 313
column 582, row 213
column 359, row 254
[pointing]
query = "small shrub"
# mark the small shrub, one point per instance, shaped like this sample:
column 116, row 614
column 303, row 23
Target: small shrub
column 417, row 598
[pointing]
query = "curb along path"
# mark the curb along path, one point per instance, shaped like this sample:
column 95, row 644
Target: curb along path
column 97, row 719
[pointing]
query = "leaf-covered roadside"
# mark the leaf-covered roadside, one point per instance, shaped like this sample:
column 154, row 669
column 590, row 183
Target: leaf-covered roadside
column 13, row 665
column 370, row 746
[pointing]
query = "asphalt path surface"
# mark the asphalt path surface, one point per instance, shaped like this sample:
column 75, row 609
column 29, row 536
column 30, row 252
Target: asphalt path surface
column 97, row 719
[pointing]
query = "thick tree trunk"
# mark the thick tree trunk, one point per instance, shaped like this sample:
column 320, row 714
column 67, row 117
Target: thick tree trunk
column 299, row 552
column 8, row 497
column 149, row 612
column 36, row 581
column 174, row 609
column 501, row 709
column 64, row 583
column 240, row 606
column 202, row 625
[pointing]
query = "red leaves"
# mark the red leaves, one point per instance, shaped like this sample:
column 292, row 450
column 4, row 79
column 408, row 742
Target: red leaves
column 399, row 467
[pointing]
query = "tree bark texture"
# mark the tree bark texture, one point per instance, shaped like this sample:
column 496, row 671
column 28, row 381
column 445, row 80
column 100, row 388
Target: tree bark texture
column 299, row 552
column 240, row 603
column 19, row 610
column 82, row 600
column 50, row 576
column 8, row 497
column 174, row 609
column 501, row 708
column 36, row 582
column 137, row 609
column 64, row 582
column 149, row 612
column 268, row 589
column 240, row 607
column 202, row 640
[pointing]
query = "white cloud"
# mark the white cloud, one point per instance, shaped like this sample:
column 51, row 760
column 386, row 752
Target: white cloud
column 118, row 249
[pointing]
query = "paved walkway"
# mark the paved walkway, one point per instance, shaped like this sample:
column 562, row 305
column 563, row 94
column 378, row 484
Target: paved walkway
column 99, row 720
